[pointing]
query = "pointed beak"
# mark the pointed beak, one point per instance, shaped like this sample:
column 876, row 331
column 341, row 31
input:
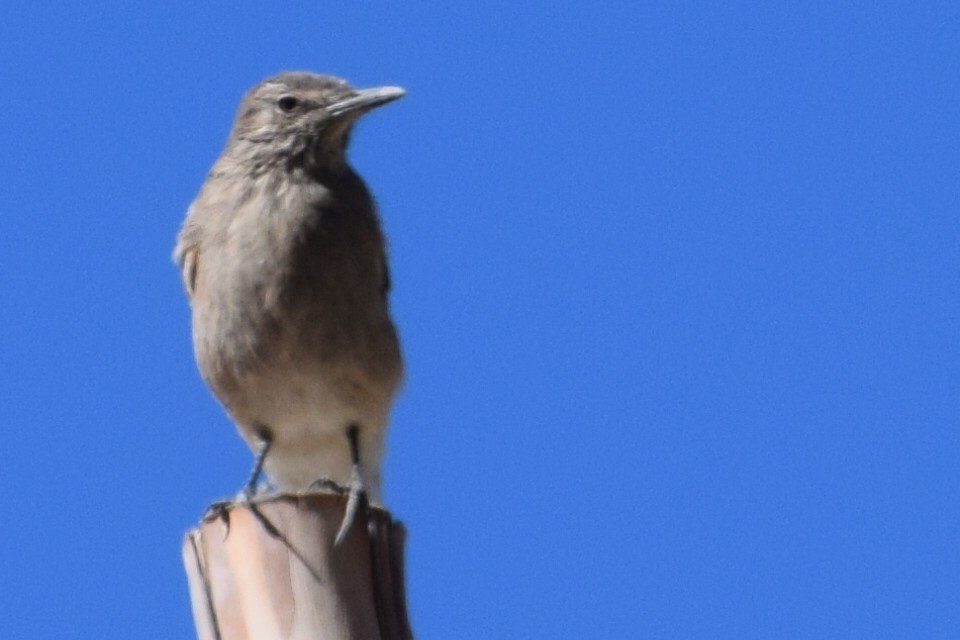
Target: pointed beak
column 364, row 100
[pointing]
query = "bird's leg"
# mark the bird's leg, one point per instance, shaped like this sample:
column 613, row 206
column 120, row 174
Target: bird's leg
column 358, row 495
column 266, row 440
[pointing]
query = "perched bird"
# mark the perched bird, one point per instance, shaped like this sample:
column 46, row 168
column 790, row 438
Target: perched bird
column 284, row 262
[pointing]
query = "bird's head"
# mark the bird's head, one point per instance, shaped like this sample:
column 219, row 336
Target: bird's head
column 297, row 113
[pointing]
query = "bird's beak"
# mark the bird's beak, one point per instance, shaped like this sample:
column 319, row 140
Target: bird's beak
column 364, row 100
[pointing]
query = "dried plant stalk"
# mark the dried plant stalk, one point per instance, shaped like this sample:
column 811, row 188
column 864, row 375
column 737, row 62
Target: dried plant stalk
column 268, row 570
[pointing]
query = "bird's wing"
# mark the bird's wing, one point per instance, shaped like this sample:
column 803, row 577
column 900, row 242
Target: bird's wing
column 187, row 254
column 188, row 269
column 385, row 280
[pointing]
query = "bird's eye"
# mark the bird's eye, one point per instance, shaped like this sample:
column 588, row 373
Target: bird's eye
column 287, row 103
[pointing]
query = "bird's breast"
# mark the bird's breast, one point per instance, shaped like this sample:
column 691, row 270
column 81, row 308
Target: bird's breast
column 294, row 282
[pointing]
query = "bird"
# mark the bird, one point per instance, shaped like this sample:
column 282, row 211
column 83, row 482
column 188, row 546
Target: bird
column 284, row 261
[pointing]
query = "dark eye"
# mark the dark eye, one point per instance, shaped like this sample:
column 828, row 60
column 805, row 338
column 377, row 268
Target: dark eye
column 287, row 103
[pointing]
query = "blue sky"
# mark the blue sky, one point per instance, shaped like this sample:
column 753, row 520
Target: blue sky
column 677, row 285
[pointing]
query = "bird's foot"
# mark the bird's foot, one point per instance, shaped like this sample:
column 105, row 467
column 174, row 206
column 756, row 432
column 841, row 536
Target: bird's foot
column 330, row 485
column 219, row 510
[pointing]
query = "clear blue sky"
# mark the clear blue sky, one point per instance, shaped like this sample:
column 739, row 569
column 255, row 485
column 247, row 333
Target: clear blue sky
column 677, row 284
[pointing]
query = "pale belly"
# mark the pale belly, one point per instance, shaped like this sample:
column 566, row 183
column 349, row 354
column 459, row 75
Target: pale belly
column 308, row 414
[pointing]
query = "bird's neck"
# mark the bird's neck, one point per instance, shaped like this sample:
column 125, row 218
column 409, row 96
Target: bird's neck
column 323, row 159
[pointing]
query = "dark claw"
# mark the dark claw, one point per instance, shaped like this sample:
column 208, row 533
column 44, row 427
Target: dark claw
column 221, row 511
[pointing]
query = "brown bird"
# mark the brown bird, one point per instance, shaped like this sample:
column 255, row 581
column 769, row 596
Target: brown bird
column 284, row 262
